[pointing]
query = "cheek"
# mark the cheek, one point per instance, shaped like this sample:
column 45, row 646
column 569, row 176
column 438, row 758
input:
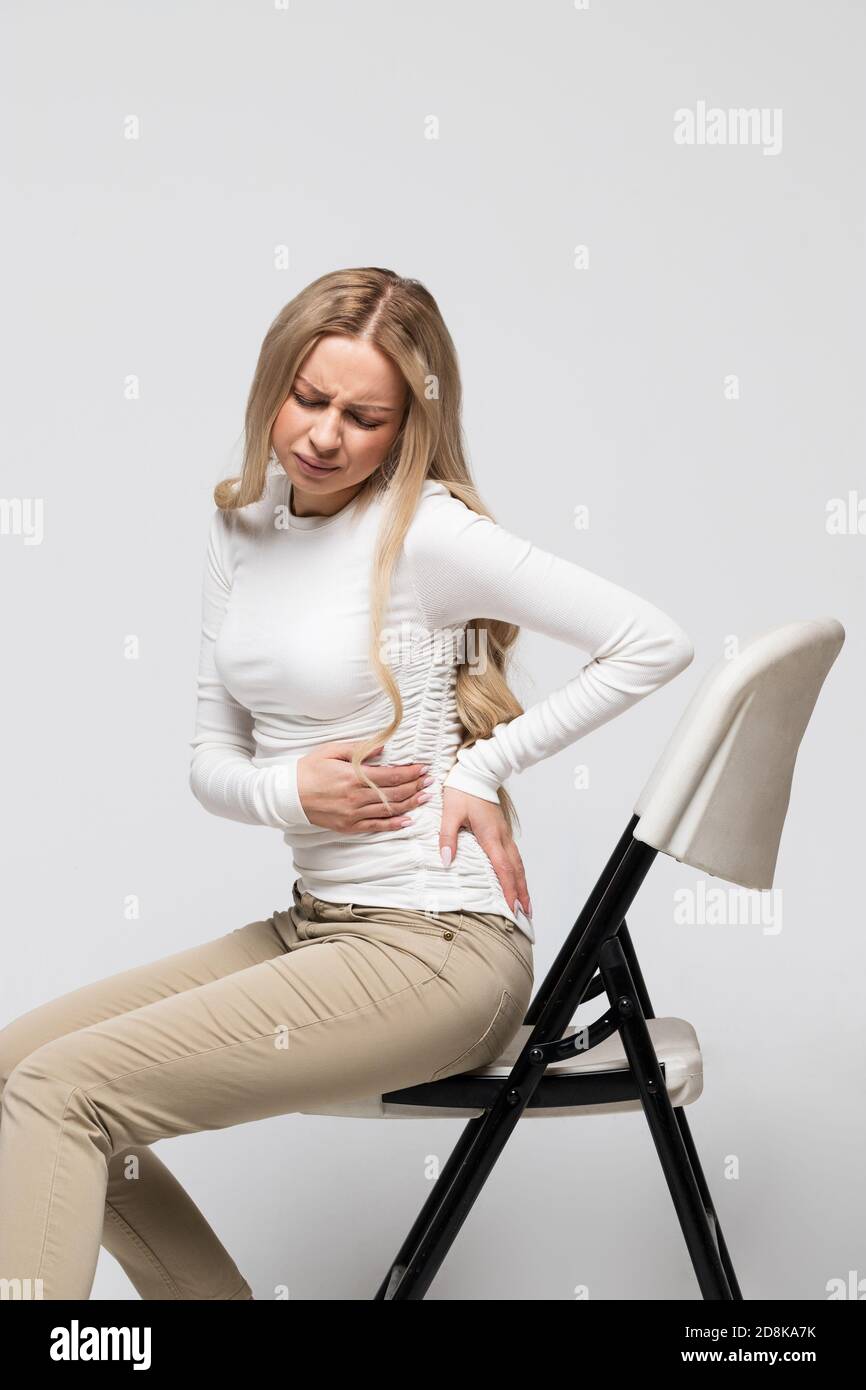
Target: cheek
column 371, row 446
column 287, row 425
column 368, row 446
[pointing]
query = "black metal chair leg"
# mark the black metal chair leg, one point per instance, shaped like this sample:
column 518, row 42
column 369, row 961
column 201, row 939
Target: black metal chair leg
column 480, row 1145
column 707, row 1200
column 399, row 1265
column 697, row 1227
column 682, row 1121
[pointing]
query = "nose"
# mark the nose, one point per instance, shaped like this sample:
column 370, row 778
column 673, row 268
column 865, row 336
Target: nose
column 325, row 437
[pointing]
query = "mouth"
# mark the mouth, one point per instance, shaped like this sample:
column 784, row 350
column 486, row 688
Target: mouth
column 313, row 469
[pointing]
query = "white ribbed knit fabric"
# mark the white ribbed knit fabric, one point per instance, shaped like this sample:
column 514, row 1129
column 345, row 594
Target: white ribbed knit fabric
column 284, row 668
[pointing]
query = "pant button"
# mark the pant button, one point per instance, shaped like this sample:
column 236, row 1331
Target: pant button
column 449, row 935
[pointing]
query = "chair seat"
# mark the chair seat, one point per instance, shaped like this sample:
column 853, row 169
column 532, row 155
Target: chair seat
column 674, row 1040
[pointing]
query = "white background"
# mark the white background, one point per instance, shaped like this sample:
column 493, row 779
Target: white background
column 307, row 127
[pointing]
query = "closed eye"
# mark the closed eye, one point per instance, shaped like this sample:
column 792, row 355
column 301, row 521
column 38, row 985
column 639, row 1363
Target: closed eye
column 314, row 405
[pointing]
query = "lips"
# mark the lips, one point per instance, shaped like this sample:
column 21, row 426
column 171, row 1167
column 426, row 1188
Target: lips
column 316, row 469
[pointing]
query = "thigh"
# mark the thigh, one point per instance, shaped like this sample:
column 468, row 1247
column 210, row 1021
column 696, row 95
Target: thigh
column 134, row 988
column 344, row 1015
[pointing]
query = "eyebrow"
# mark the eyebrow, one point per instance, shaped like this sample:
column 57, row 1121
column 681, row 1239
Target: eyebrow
column 354, row 405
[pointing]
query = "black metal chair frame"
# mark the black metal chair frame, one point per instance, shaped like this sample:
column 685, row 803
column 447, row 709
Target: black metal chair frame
column 598, row 941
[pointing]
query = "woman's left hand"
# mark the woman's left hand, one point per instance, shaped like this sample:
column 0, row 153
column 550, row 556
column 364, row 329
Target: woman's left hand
column 490, row 828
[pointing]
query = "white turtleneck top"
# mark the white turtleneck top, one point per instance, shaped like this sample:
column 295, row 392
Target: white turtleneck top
column 284, row 668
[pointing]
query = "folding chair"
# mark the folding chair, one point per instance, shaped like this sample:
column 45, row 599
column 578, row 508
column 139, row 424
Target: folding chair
column 716, row 800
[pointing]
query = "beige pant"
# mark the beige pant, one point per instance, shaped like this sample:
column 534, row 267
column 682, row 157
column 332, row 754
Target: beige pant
column 320, row 1003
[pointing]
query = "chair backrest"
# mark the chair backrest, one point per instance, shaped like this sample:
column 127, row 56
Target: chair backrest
column 718, row 795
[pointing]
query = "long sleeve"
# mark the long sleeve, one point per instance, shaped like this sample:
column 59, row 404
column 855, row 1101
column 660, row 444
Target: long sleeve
column 466, row 566
column 222, row 775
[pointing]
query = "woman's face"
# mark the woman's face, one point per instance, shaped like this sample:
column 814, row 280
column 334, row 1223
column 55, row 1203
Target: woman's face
column 343, row 411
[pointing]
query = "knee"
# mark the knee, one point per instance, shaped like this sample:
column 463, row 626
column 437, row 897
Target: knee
column 24, row 1036
column 13, row 1049
column 36, row 1082
column 46, row 1094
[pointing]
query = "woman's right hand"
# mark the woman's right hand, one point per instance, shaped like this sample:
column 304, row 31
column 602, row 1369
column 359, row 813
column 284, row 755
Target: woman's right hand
column 334, row 797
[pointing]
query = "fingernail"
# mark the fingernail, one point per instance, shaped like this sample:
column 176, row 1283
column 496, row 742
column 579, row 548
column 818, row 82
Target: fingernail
column 426, row 781
column 446, row 855
column 425, row 796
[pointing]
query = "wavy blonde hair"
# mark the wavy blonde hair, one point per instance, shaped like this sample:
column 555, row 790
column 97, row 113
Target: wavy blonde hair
column 402, row 319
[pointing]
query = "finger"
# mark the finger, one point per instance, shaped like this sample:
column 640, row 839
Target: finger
column 378, row 810
column 392, row 823
column 503, row 868
column 403, row 798
column 345, row 749
column 396, row 774
column 519, row 878
column 448, row 828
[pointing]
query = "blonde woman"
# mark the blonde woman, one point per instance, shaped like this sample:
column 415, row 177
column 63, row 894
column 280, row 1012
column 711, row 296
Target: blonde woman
column 359, row 608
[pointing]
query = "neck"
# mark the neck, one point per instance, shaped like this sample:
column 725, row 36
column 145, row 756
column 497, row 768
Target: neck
column 314, row 504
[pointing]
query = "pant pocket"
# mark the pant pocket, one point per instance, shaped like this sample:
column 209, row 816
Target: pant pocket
column 492, row 927
column 502, row 1028
column 428, row 937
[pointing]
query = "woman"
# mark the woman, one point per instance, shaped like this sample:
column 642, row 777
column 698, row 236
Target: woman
column 359, row 606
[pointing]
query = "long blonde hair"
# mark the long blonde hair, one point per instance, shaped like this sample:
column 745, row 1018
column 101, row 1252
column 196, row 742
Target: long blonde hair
column 402, row 319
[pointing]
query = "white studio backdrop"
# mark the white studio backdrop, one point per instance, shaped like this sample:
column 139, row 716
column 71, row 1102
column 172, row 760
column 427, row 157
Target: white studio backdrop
column 659, row 312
